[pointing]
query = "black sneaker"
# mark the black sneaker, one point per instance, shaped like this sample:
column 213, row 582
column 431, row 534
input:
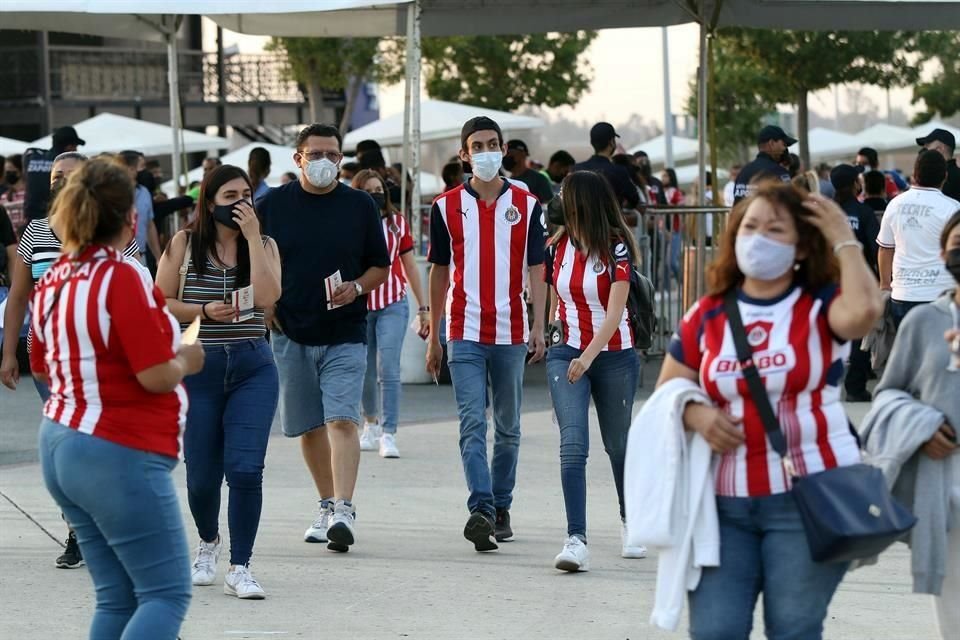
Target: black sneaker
column 503, row 531
column 71, row 558
column 480, row 531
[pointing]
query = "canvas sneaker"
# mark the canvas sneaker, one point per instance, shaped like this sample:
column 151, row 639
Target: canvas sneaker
column 370, row 438
column 240, row 582
column 388, row 446
column 638, row 551
column 341, row 531
column 317, row 532
column 71, row 558
column 204, row 569
column 574, row 557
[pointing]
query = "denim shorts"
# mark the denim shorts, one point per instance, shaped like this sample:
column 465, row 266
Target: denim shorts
column 318, row 384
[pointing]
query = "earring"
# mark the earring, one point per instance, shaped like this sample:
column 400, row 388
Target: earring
column 796, row 266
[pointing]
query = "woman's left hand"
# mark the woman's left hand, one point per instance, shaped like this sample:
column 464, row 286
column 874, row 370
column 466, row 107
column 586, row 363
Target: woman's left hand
column 578, row 367
column 827, row 216
column 245, row 216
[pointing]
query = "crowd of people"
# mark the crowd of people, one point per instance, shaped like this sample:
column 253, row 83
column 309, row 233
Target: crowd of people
column 147, row 349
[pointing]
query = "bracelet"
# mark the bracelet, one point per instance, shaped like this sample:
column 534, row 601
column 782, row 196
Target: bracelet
column 846, row 243
column 203, row 310
column 423, row 310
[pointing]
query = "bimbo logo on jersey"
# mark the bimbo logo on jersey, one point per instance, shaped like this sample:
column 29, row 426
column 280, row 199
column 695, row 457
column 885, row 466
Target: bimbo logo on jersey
column 767, row 362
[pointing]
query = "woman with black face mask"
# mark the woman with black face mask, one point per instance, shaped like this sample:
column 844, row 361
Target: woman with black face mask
column 914, row 421
column 387, row 319
column 16, row 190
column 207, row 272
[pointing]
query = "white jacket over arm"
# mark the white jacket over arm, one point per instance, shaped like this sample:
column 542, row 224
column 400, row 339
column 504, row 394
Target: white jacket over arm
column 669, row 497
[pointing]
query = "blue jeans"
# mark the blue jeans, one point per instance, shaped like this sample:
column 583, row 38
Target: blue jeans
column 381, row 384
column 471, row 364
column 899, row 310
column 763, row 548
column 232, row 405
column 124, row 508
column 612, row 382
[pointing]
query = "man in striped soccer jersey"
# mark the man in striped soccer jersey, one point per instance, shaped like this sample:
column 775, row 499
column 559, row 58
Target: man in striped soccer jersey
column 486, row 247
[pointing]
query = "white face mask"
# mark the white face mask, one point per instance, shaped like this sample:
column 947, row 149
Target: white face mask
column 486, row 165
column 321, row 173
column 762, row 258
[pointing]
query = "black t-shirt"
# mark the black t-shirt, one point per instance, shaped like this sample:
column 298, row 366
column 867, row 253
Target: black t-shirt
column 865, row 226
column 616, row 175
column 37, row 163
column 878, row 205
column 318, row 235
column 7, row 238
column 951, row 188
column 537, row 183
column 763, row 168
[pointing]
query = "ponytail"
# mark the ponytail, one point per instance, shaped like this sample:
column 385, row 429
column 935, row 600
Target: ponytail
column 93, row 205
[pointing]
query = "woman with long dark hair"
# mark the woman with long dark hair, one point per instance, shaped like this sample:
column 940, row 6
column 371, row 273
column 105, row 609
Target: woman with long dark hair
column 258, row 164
column 387, row 316
column 804, row 291
column 108, row 348
column 589, row 265
column 234, row 399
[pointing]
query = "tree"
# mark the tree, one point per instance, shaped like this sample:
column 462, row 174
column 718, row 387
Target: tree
column 507, row 72
column 336, row 64
column 741, row 99
column 941, row 95
column 800, row 62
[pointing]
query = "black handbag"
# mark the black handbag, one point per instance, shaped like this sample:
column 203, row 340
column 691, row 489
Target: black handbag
column 848, row 512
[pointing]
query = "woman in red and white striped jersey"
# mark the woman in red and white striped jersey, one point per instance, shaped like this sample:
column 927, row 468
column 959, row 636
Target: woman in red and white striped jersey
column 783, row 255
column 111, row 433
column 387, row 316
column 589, row 265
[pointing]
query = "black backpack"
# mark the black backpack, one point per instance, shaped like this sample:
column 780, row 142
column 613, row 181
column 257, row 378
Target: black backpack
column 641, row 313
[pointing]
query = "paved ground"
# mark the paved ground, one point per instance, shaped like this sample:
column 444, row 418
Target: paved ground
column 411, row 575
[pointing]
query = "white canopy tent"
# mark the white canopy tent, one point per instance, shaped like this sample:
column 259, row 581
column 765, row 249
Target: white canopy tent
column 656, row 149
column 9, row 146
column 922, row 130
column 108, row 132
column 887, row 137
column 829, row 144
column 440, row 121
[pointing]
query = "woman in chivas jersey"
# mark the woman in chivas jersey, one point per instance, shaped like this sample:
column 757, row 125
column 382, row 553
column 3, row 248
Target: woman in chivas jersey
column 105, row 343
column 804, row 292
column 589, row 268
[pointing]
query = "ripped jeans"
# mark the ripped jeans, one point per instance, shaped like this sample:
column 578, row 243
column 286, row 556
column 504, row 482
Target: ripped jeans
column 612, row 382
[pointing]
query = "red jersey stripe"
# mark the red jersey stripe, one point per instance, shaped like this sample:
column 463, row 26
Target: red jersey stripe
column 458, row 301
column 518, row 252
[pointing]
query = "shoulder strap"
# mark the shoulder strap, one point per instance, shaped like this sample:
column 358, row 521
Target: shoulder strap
column 759, row 394
column 185, row 266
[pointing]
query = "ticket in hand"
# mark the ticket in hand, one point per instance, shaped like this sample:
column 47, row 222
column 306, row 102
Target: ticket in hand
column 192, row 333
column 242, row 301
column 331, row 284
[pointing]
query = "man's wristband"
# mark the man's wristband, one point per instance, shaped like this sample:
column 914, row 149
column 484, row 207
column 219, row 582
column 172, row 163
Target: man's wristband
column 423, row 310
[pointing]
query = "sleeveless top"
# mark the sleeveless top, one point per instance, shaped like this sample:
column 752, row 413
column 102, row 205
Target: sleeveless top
column 215, row 284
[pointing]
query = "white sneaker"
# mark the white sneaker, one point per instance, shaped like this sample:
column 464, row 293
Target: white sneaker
column 317, row 532
column 638, row 551
column 574, row 557
column 370, row 437
column 388, row 446
column 341, row 531
column 240, row 582
column 204, row 570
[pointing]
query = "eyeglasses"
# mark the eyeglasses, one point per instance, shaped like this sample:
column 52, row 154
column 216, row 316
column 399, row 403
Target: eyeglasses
column 332, row 156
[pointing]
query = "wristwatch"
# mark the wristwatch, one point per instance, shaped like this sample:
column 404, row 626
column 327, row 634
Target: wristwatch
column 358, row 287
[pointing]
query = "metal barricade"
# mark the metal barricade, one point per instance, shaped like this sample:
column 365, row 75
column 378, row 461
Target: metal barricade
column 676, row 246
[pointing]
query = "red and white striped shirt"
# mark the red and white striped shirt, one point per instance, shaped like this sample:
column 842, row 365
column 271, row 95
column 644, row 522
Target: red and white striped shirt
column 399, row 241
column 583, row 285
column 801, row 364
column 97, row 322
column 489, row 248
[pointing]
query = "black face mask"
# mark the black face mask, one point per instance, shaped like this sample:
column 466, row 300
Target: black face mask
column 146, row 180
column 509, row 163
column 11, row 177
column 953, row 264
column 223, row 213
column 380, row 200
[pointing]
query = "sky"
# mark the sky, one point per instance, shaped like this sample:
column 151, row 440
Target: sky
column 627, row 76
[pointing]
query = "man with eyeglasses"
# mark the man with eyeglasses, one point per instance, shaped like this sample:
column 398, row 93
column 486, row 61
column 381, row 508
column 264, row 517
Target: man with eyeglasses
column 332, row 253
